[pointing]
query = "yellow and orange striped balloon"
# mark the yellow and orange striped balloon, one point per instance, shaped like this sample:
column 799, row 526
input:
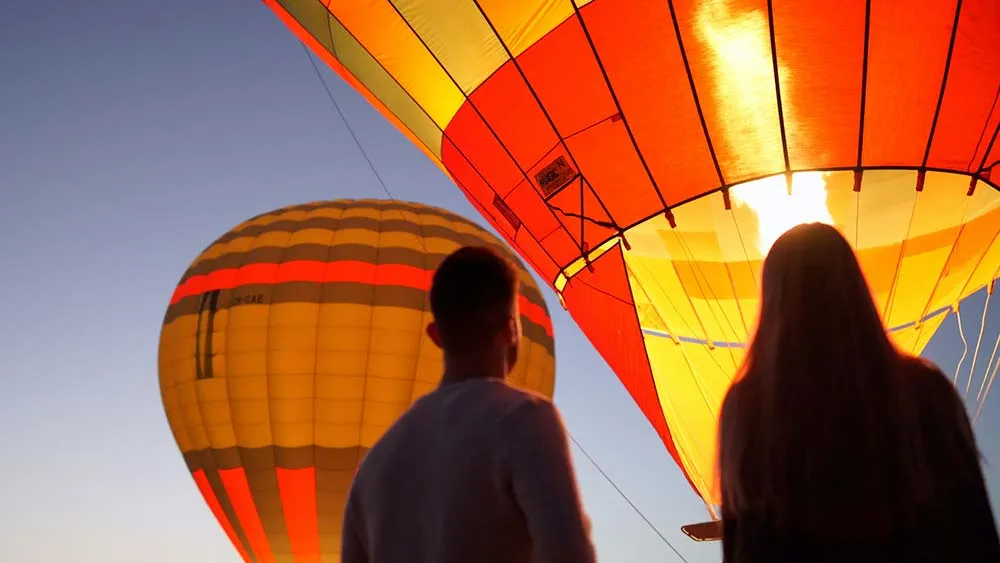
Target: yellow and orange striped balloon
column 293, row 342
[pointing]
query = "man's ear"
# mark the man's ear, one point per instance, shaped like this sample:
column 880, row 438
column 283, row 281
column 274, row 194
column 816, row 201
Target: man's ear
column 513, row 329
column 434, row 335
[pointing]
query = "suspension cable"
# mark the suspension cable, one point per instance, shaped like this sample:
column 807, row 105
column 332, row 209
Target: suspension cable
column 965, row 348
column 625, row 497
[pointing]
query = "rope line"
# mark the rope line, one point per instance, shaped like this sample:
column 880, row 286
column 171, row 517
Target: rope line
column 965, row 349
column 625, row 497
column 343, row 118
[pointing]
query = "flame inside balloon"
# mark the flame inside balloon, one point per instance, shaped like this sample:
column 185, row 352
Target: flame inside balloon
column 777, row 210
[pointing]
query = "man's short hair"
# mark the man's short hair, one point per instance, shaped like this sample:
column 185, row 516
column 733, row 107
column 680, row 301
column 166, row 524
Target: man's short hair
column 472, row 294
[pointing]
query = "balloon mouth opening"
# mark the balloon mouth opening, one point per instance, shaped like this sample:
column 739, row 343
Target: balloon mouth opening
column 780, row 203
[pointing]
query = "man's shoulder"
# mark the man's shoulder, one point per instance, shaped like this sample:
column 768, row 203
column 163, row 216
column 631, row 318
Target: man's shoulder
column 513, row 400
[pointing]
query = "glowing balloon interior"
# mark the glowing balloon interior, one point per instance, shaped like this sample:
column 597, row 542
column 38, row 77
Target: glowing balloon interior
column 293, row 342
column 612, row 143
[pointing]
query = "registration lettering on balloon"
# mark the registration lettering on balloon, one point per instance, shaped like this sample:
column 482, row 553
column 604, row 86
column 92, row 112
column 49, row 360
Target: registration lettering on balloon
column 555, row 176
column 251, row 299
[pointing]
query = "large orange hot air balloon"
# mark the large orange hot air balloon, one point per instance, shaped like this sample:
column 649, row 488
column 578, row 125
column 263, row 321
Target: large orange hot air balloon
column 641, row 155
column 293, row 342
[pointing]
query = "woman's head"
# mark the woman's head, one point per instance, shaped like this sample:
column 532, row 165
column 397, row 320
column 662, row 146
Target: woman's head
column 814, row 297
column 807, row 432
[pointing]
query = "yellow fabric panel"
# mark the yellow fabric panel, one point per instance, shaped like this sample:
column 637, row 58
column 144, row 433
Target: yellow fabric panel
column 914, row 338
column 383, row 86
column 173, row 367
column 696, row 286
column 691, row 381
column 458, row 35
column 703, row 275
column 387, row 37
column 521, row 24
column 243, row 243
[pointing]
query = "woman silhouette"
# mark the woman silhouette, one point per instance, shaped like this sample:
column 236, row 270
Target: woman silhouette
column 834, row 445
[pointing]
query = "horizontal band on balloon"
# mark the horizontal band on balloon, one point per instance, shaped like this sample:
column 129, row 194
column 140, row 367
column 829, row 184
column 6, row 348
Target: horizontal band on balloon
column 318, row 278
column 702, row 341
column 536, row 325
column 468, row 236
column 311, row 252
column 409, row 210
column 334, row 459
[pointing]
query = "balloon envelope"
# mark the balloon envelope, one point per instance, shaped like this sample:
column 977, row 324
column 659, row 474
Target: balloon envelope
column 293, row 342
column 611, row 143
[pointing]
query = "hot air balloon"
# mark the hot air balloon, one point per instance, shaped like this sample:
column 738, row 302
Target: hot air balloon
column 641, row 156
column 293, row 342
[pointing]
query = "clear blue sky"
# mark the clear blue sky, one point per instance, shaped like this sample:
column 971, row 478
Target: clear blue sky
column 131, row 135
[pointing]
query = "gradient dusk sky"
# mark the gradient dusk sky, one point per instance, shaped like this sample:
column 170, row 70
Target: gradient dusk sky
column 131, row 135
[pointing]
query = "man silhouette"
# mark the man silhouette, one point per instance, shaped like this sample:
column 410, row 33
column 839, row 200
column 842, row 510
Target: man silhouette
column 475, row 471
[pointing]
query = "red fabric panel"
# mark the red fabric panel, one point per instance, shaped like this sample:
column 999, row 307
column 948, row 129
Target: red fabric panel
column 297, row 488
column 562, row 247
column 610, row 163
column 904, row 79
column 213, row 504
column 973, row 83
column 582, row 231
column 994, row 157
column 238, row 491
column 601, row 304
column 564, row 73
column 531, row 209
column 637, row 43
column 820, row 48
column 483, row 151
column 533, row 252
column 475, row 186
column 507, row 104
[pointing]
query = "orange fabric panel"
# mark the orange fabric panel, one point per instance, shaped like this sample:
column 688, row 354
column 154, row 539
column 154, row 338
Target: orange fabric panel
column 969, row 108
column 820, row 48
column 238, row 490
column 601, row 303
column 728, row 48
column 636, row 42
column 904, row 78
column 298, row 501
column 213, row 504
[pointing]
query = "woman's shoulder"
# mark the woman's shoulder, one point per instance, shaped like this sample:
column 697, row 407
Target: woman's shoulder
column 933, row 395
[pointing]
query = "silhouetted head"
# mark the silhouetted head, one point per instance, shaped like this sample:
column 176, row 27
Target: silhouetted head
column 814, row 297
column 809, row 434
column 474, row 300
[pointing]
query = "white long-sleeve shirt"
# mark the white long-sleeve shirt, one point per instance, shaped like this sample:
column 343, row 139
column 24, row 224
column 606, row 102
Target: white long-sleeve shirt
column 476, row 471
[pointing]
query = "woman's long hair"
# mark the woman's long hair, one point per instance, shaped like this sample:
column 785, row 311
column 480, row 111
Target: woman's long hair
column 812, row 436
